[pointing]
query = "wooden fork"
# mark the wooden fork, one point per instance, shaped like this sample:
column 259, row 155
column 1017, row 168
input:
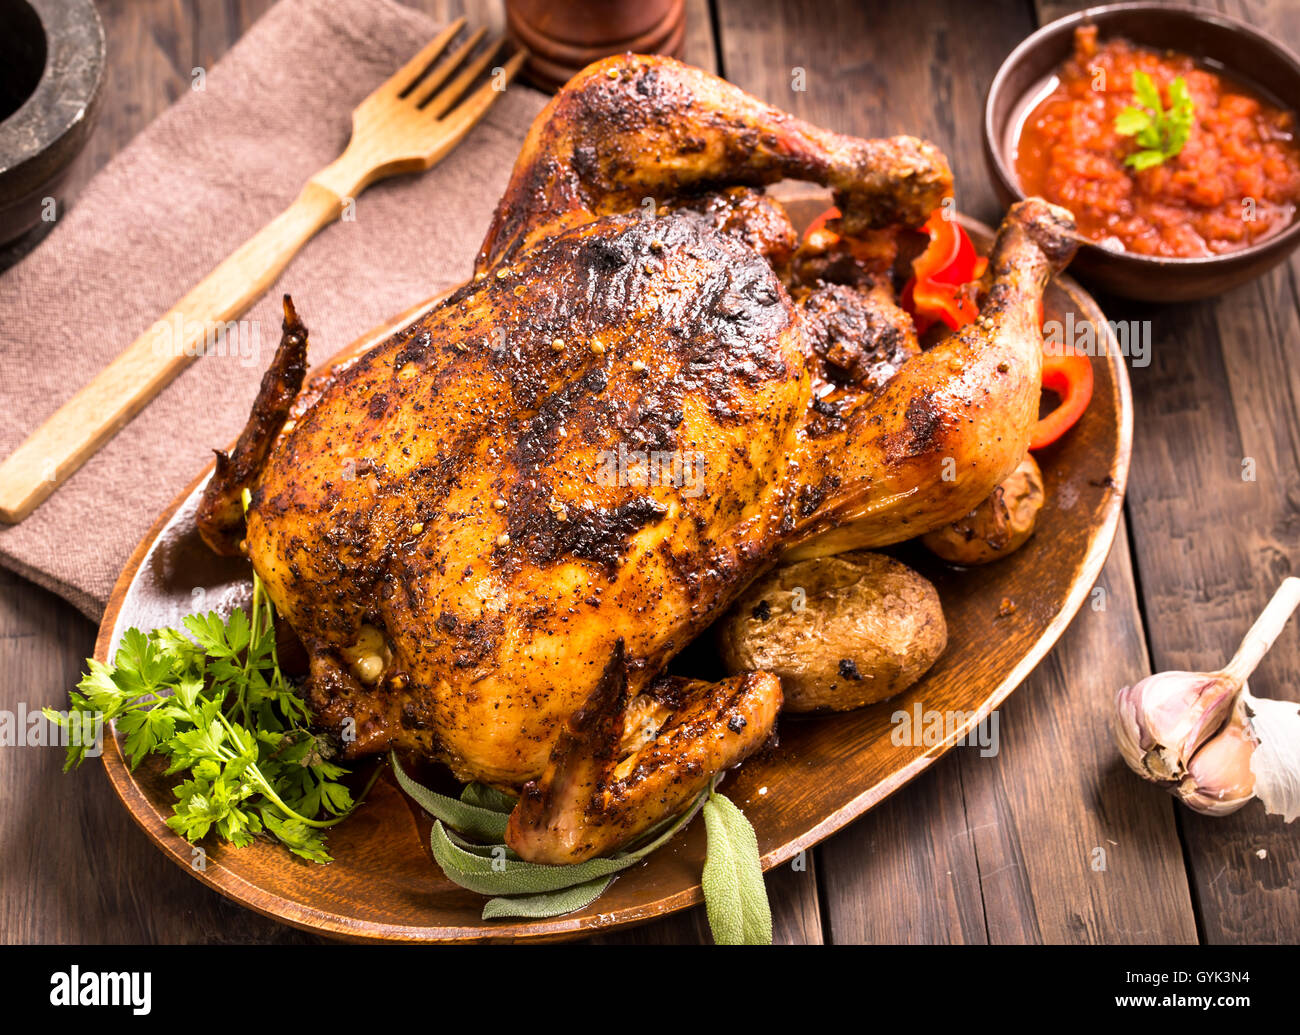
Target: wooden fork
column 407, row 125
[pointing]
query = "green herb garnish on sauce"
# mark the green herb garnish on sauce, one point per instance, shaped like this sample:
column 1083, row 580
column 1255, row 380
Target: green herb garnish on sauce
column 1159, row 132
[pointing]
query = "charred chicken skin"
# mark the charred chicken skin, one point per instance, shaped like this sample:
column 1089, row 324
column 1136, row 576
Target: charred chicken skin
column 493, row 531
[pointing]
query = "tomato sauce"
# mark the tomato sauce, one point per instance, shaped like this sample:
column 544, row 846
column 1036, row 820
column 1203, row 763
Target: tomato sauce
column 1235, row 182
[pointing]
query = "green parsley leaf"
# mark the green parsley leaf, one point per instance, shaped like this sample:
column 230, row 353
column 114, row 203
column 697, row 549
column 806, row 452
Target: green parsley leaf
column 1131, row 121
column 211, row 700
column 1144, row 89
column 1159, row 134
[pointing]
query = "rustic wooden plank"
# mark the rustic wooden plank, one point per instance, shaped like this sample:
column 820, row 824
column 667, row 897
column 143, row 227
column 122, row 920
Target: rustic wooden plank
column 1243, row 896
column 907, row 871
column 1219, row 398
column 1006, row 850
column 1058, row 821
column 89, row 875
column 979, row 849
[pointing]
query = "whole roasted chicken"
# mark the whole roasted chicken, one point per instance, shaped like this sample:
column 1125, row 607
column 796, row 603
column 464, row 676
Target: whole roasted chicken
column 493, row 531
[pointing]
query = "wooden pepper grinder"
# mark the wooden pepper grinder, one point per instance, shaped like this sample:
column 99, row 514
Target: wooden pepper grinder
column 564, row 36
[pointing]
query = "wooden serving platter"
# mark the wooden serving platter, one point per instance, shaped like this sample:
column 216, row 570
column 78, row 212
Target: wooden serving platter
column 384, row 885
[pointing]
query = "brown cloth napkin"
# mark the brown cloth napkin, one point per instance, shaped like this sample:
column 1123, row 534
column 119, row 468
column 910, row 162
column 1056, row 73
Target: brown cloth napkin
column 189, row 189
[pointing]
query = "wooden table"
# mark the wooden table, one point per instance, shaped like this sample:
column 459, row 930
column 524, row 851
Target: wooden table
column 1052, row 840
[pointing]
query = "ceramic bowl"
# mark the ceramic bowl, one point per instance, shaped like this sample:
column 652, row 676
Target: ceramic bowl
column 1219, row 41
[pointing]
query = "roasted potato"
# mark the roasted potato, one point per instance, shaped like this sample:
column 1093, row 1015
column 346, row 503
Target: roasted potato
column 840, row 631
column 999, row 525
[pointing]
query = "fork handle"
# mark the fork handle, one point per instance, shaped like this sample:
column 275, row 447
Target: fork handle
column 91, row 417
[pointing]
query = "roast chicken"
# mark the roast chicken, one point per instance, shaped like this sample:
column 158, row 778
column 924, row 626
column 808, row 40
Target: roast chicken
column 493, row 531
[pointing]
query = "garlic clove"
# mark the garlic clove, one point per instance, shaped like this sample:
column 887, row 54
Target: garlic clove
column 1219, row 777
column 1161, row 721
column 1276, row 764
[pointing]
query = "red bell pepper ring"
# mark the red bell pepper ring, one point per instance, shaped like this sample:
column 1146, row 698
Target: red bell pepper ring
column 937, row 289
column 820, row 222
column 1068, row 376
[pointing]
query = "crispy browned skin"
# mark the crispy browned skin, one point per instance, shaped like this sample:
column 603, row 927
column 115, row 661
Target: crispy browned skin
column 748, row 215
column 861, row 338
column 381, row 504
column 449, row 489
column 632, row 128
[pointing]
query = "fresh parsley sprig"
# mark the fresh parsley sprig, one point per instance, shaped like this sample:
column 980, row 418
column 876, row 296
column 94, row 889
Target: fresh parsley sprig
column 1159, row 132
column 211, row 699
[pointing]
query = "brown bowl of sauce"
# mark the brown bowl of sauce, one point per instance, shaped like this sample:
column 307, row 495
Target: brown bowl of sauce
column 1219, row 209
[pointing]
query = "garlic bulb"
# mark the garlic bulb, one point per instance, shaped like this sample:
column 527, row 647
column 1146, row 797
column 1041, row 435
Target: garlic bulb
column 1161, row 721
column 1203, row 735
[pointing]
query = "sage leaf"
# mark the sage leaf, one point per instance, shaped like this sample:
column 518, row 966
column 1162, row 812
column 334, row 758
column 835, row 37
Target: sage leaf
column 495, row 870
column 500, row 875
column 520, row 888
column 472, row 820
column 735, row 896
column 485, row 797
column 486, row 851
column 552, row 903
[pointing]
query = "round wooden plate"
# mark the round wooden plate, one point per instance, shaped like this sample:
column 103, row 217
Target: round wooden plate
column 826, row 771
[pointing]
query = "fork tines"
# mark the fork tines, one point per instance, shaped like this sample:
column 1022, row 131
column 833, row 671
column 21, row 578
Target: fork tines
column 427, row 73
